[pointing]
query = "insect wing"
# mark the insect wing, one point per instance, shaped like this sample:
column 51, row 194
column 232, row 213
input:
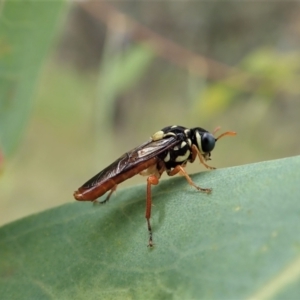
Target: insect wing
column 131, row 159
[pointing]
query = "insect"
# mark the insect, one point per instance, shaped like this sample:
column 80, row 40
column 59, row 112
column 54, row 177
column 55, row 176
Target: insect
column 169, row 149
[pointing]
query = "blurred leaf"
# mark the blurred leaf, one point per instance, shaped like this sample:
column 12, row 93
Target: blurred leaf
column 27, row 28
column 278, row 70
column 119, row 73
column 271, row 63
column 215, row 98
column 272, row 72
column 240, row 241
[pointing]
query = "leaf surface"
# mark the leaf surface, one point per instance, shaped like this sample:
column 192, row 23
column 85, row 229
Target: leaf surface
column 240, row 242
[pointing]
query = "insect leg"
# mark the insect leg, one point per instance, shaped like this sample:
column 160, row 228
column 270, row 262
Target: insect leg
column 195, row 153
column 179, row 169
column 108, row 196
column 151, row 180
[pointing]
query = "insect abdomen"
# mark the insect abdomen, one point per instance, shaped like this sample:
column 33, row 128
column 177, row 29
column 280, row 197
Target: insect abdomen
column 91, row 194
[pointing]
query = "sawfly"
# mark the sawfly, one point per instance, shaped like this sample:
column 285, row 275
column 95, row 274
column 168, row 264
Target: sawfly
column 169, row 149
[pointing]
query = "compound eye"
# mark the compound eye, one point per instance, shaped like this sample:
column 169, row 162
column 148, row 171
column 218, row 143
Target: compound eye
column 207, row 142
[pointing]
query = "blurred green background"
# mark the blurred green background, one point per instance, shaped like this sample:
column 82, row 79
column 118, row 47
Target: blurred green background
column 83, row 82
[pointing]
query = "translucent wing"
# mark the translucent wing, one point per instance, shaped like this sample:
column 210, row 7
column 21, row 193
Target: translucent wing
column 131, row 159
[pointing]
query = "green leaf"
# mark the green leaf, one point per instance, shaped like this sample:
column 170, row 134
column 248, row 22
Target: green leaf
column 241, row 241
column 26, row 31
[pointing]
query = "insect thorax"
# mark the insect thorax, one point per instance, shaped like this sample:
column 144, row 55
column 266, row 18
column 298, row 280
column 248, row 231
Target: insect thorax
column 180, row 153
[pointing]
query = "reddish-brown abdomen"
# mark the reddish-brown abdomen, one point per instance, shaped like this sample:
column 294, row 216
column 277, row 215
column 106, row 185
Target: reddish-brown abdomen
column 91, row 194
